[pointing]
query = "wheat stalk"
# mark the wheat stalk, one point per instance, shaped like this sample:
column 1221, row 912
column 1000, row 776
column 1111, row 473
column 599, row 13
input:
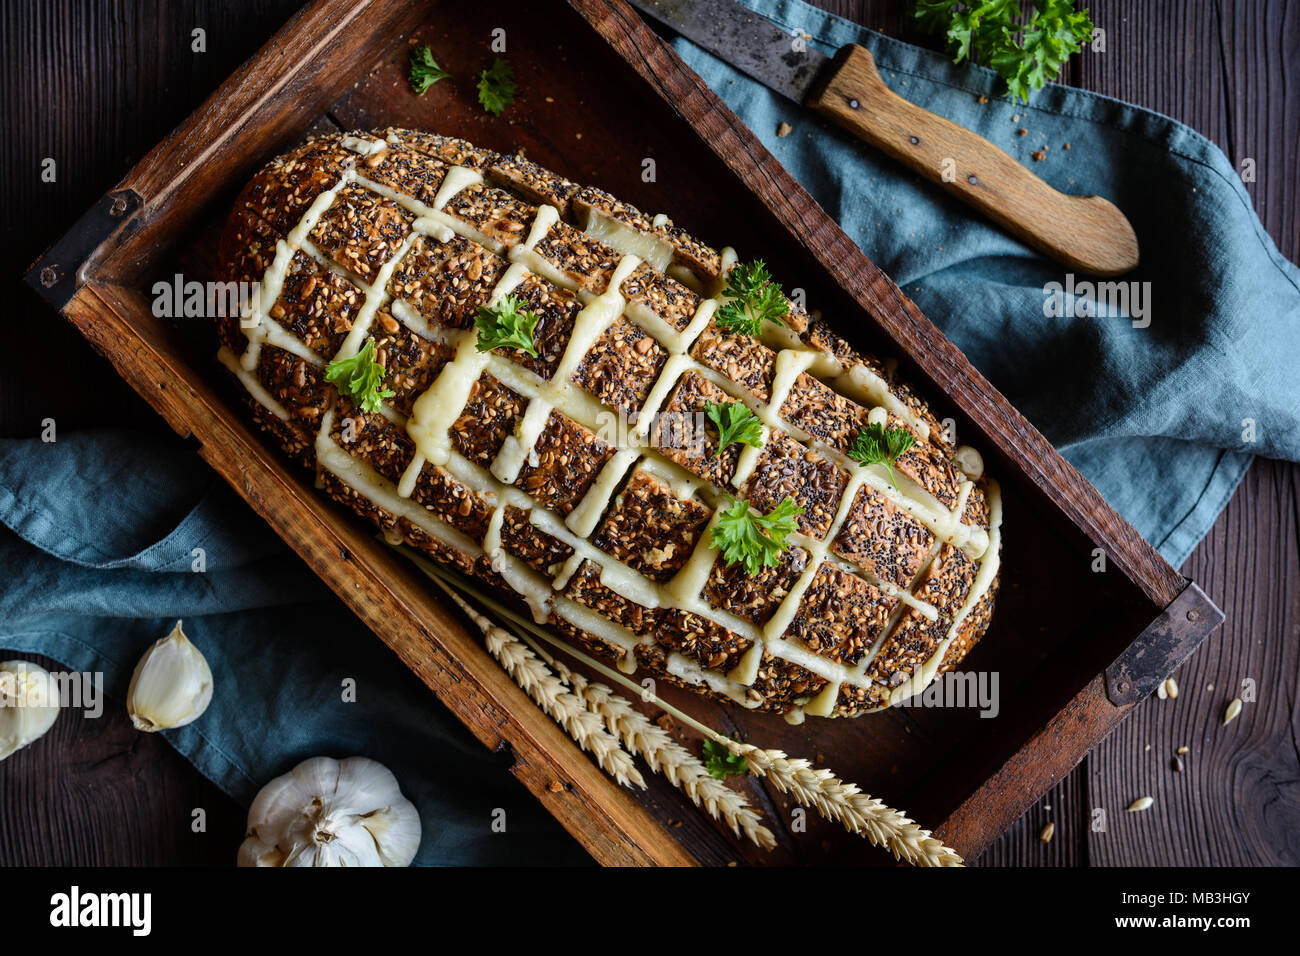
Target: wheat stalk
column 554, row 697
column 667, row 757
column 845, row 803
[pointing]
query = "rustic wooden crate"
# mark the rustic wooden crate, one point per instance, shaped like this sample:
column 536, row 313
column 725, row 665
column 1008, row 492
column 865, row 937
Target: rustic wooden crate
column 599, row 93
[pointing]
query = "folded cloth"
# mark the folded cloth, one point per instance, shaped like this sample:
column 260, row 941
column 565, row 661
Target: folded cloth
column 1162, row 411
column 99, row 558
column 105, row 530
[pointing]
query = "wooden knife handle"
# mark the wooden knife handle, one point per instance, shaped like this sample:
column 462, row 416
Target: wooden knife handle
column 1086, row 233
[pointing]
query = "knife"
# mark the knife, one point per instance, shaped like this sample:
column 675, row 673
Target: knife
column 1087, row 233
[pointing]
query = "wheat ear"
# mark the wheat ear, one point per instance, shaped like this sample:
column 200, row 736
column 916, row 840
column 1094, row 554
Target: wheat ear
column 666, row 756
column 845, row 803
column 553, row 696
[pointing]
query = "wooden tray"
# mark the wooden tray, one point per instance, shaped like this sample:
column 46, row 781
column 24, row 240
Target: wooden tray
column 1074, row 649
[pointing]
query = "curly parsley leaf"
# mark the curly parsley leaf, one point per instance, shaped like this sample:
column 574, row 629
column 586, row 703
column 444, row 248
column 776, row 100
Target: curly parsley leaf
column 360, row 378
column 506, row 325
column 425, row 70
column 721, row 763
column 1026, row 55
column 753, row 539
column 877, row 445
column 752, row 296
column 496, row 87
column 735, row 423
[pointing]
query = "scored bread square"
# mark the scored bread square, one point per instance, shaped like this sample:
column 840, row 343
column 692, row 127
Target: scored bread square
column 565, row 460
column 398, row 240
column 488, row 418
column 316, row 305
column 587, row 589
column 824, row 413
column 492, row 212
column 588, row 263
column 882, row 538
column 541, row 551
column 446, row 282
column 282, row 192
column 786, row 469
column 556, row 310
column 621, row 367
column 650, row 529
column 840, row 615
column 411, row 361
column 663, row 297
column 361, row 231
column 740, row 358
column 407, row 171
column 754, row 597
column 704, row 641
column 535, row 184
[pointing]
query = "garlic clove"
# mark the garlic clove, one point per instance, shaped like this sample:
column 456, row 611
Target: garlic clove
column 171, row 686
column 328, row 812
column 29, row 704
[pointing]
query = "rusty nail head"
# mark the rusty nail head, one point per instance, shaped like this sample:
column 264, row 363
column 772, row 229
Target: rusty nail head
column 50, row 276
column 118, row 207
column 1193, row 615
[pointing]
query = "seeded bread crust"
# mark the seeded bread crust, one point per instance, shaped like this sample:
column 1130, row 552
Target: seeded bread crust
column 371, row 259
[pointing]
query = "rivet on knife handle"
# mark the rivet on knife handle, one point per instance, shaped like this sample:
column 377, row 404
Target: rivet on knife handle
column 1086, row 233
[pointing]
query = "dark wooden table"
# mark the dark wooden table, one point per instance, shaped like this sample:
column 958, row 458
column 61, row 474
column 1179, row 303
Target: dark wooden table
column 94, row 85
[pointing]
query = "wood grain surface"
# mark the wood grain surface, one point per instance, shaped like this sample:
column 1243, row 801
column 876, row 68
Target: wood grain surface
column 97, row 86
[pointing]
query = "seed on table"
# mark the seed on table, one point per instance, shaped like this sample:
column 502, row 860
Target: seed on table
column 1140, row 804
column 1178, row 764
column 1171, row 687
column 1046, row 834
column 1233, row 711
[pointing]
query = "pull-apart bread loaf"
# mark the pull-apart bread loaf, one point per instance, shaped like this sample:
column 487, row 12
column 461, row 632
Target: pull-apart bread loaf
column 530, row 381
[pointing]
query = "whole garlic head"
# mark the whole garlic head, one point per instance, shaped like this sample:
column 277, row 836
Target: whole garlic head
column 29, row 704
column 327, row 812
column 171, row 686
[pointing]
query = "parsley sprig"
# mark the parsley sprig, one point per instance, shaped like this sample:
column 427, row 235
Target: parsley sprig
column 754, row 539
column 360, row 378
column 1026, row 55
column 735, row 423
column 425, row 70
column 496, row 87
column 752, row 296
column 878, row 445
column 721, row 763
column 506, row 325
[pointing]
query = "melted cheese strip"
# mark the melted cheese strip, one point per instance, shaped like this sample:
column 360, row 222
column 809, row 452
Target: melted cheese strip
column 519, row 446
column 625, row 239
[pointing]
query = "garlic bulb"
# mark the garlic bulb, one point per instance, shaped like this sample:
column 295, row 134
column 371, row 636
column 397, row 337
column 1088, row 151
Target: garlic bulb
column 329, row 812
column 29, row 704
column 171, row 686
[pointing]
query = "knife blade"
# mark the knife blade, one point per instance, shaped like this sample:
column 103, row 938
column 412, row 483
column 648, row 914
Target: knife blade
column 1087, row 233
column 752, row 44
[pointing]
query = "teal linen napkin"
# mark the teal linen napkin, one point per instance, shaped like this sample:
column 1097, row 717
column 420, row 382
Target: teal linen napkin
column 98, row 562
column 101, row 526
column 1164, row 419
